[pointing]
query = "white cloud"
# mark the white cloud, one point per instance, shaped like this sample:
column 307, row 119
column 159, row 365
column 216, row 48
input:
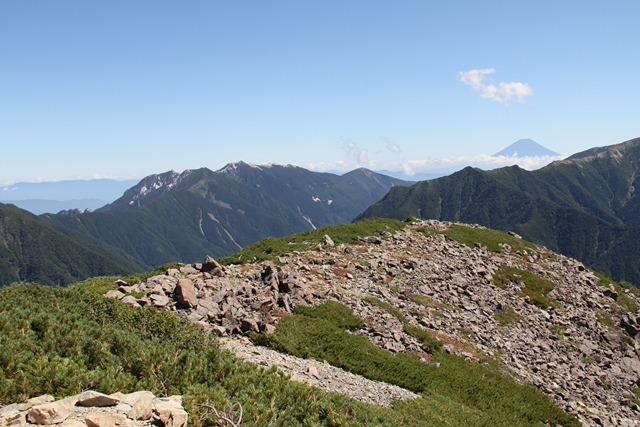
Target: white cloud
column 391, row 146
column 407, row 169
column 484, row 161
column 446, row 165
column 504, row 92
column 359, row 154
column 339, row 165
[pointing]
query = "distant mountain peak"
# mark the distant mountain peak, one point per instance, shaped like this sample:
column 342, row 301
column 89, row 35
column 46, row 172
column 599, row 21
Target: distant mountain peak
column 525, row 148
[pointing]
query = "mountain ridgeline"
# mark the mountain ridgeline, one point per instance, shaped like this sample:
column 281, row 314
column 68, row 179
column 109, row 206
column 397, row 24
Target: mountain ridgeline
column 586, row 206
column 185, row 216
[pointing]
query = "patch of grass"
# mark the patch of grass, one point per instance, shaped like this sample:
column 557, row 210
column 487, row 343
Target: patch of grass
column 494, row 361
column 427, row 231
column 427, row 301
column 557, row 330
column 455, row 393
column 604, row 318
column 486, row 237
column 636, row 396
column 536, row 288
column 507, row 316
column 424, row 336
column 386, row 306
column 271, row 247
column 338, row 314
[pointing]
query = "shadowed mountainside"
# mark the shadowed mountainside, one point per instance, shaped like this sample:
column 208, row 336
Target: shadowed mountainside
column 32, row 251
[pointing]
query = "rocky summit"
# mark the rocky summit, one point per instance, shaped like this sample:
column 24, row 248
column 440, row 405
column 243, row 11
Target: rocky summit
column 543, row 318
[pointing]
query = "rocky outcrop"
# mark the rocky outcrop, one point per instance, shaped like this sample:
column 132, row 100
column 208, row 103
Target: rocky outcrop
column 582, row 350
column 93, row 409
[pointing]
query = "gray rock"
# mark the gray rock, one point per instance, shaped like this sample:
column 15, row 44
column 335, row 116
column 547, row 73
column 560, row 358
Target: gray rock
column 114, row 294
column 39, row 400
column 141, row 405
column 327, row 241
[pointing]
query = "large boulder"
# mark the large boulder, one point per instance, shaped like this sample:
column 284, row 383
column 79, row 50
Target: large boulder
column 185, row 294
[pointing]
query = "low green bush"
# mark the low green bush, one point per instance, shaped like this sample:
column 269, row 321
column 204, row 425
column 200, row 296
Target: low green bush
column 424, row 336
column 338, row 314
column 386, row 306
column 489, row 238
column 535, row 287
column 456, row 392
column 507, row 316
column 62, row 341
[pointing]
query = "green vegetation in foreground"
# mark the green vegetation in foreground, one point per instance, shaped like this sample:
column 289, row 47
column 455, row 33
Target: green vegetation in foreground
column 456, row 393
column 63, row 341
column 492, row 239
column 535, row 287
column 270, row 248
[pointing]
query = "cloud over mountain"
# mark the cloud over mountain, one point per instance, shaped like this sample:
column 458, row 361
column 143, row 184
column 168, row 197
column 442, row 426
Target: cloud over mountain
column 503, row 92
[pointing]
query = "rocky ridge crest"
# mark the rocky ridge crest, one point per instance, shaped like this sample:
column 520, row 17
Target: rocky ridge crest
column 583, row 351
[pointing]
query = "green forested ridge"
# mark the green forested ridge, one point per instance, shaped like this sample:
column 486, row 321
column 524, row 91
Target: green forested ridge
column 32, row 251
column 586, row 207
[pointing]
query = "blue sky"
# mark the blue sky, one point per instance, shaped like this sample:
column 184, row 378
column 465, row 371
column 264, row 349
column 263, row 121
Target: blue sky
column 126, row 89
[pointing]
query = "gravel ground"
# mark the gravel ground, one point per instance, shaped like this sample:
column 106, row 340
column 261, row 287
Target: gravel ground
column 319, row 374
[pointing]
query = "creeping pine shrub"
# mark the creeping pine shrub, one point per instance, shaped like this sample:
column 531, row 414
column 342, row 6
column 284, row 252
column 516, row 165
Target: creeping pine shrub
column 492, row 239
column 62, row 341
column 457, row 392
column 424, row 336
